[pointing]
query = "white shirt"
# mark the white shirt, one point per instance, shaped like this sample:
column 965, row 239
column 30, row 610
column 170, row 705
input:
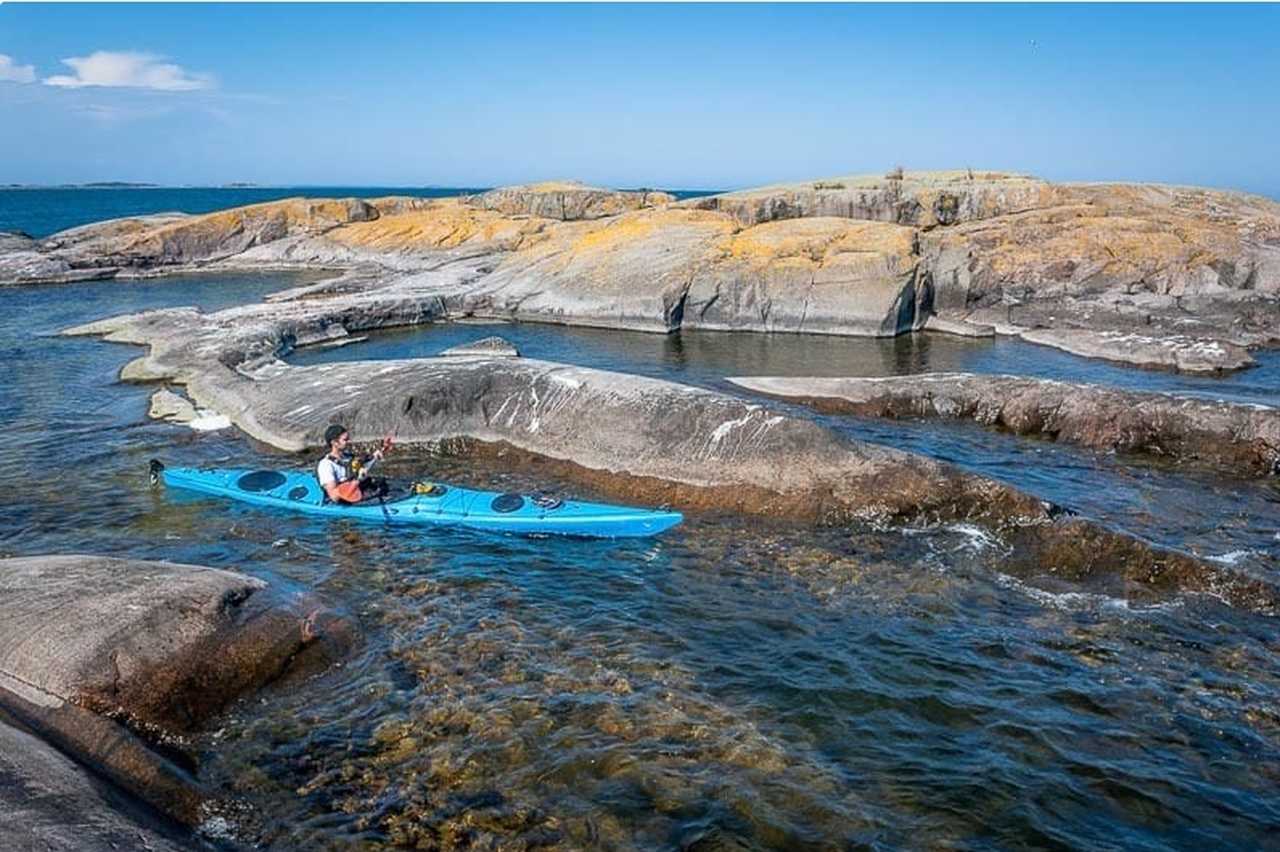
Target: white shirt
column 331, row 472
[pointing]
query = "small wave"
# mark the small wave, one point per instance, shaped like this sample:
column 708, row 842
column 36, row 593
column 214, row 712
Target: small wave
column 1233, row 557
column 973, row 538
column 976, row 538
column 1080, row 601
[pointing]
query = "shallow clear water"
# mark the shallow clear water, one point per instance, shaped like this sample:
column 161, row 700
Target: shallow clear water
column 734, row 684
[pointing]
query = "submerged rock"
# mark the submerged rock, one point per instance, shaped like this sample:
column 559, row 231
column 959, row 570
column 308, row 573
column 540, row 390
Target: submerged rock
column 114, row 660
column 491, row 347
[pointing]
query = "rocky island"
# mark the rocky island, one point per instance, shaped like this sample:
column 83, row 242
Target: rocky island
column 1164, row 277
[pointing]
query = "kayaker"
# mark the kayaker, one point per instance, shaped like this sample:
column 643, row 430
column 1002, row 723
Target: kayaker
column 335, row 471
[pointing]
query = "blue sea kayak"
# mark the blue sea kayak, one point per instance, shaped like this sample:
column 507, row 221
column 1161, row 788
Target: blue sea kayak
column 443, row 505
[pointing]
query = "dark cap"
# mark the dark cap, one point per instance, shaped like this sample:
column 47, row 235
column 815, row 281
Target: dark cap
column 334, row 432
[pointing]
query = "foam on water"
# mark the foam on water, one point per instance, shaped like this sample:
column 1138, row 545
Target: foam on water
column 1234, row 557
column 973, row 539
column 1081, row 601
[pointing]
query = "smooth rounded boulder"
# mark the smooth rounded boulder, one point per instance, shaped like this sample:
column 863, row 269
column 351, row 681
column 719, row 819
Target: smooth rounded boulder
column 115, row 660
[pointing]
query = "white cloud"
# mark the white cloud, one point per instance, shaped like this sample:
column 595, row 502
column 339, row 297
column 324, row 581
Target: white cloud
column 129, row 70
column 16, row 73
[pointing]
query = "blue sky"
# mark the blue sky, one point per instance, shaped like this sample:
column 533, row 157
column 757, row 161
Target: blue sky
column 715, row 96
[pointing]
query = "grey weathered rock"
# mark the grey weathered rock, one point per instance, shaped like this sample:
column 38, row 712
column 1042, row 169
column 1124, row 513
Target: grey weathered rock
column 103, row 657
column 22, row 262
column 959, row 328
column 631, row 271
column 858, row 256
column 170, row 407
column 565, row 200
column 657, row 440
column 167, row 405
column 826, row 276
column 922, row 199
column 1242, row 438
column 16, row 241
column 489, row 347
column 644, row 437
column 48, row 802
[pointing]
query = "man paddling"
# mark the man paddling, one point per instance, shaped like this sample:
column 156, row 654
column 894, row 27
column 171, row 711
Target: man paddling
column 335, row 471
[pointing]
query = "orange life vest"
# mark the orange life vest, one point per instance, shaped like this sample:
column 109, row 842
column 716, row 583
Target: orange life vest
column 349, row 491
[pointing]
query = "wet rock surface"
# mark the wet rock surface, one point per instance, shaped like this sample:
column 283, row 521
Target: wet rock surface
column 1242, row 438
column 116, row 661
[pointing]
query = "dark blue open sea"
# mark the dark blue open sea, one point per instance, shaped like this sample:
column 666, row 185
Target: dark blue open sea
column 736, row 684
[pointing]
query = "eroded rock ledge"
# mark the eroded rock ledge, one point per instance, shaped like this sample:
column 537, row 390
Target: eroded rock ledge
column 113, row 660
column 1239, row 437
column 634, row 438
column 1167, row 277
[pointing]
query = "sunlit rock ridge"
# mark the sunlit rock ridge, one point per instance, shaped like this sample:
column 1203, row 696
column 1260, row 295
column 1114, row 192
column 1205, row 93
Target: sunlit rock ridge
column 1167, row 277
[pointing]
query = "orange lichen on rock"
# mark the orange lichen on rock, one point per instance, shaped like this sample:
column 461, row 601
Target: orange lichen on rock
column 640, row 226
column 444, row 224
column 234, row 230
column 817, row 241
column 1158, row 250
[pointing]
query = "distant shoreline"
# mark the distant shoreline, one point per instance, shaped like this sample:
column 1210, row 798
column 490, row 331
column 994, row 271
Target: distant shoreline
column 459, row 189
